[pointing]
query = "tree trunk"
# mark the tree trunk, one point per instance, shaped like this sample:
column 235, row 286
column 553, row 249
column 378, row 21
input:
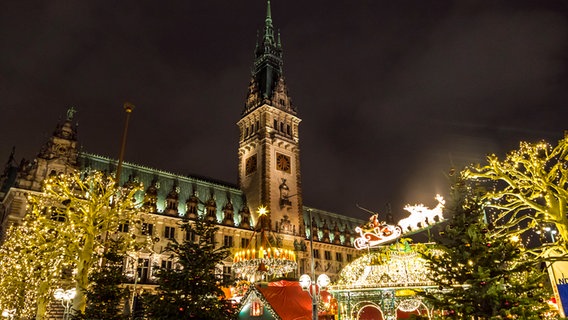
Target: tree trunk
column 82, row 278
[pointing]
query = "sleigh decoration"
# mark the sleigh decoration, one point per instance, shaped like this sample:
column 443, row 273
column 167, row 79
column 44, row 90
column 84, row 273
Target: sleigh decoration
column 376, row 236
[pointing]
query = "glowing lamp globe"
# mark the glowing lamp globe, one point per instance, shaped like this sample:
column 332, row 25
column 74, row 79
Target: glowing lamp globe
column 305, row 281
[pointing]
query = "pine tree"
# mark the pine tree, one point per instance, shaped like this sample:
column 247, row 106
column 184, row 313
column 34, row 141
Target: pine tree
column 105, row 295
column 191, row 287
column 481, row 268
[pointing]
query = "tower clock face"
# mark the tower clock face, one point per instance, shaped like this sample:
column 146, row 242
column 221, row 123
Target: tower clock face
column 250, row 164
column 282, row 162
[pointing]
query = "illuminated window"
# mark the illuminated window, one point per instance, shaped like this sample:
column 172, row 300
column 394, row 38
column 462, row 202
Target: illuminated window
column 143, row 269
column 256, row 308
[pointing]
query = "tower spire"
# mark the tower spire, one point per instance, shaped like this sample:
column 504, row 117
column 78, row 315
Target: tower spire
column 268, row 27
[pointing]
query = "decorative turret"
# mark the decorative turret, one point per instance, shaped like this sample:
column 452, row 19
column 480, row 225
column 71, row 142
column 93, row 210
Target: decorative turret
column 191, row 204
column 58, row 155
column 172, row 200
column 228, row 213
column 151, row 196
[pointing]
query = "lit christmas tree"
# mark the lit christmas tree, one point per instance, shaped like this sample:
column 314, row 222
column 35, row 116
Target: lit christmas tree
column 529, row 187
column 190, row 287
column 66, row 225
column 482, row 269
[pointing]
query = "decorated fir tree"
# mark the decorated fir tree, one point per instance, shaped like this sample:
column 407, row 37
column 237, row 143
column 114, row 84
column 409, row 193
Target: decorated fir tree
column 481, row 268
column 191, row 286
column 106, row 295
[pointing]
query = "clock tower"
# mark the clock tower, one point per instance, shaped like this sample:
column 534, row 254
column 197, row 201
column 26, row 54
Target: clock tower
column 269, row 153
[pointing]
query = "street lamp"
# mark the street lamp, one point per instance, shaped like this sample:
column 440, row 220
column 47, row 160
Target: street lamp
column 66, row 297
column 314, row 289
column 9, row 313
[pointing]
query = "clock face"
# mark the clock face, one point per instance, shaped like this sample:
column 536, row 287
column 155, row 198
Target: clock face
column 250, row 164
column 282, row 162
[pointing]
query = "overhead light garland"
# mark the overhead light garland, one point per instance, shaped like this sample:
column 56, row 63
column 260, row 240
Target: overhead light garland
column 262, row 257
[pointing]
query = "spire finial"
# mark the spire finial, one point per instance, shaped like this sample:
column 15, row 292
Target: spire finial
column 70, row 112
column 268, row 28
column 268, row 13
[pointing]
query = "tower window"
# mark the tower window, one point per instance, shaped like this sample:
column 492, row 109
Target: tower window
column 288, row 131
column 275, row 124
column 257, row 125
column 282, row 102
column 246, row 132
column 282, row 126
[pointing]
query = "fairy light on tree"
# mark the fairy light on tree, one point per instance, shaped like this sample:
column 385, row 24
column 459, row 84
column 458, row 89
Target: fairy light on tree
column 530, row 187
column 482, row 270
column 66, row 222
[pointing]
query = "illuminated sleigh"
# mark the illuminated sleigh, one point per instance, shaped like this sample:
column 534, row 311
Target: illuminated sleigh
column 378, row 235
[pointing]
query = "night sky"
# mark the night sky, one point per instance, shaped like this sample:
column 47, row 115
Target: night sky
column 391, row 93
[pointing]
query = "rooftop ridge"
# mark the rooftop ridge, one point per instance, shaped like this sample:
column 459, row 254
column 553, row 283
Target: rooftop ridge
column 150, row 170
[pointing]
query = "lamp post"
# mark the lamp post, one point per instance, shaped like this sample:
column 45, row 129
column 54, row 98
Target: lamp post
column 314, row 289
column 66, row 297
column 9, row 313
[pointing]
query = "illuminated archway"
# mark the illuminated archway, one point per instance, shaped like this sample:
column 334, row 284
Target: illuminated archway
column 370, row 311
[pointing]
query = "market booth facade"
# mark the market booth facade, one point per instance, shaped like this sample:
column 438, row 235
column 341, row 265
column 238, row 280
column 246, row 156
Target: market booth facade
column 384, row 285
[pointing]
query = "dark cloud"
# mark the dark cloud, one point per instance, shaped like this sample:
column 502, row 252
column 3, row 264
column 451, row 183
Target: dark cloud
column 391, row 93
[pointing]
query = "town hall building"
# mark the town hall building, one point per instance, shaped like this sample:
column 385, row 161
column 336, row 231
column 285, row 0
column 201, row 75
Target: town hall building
column 269, row 175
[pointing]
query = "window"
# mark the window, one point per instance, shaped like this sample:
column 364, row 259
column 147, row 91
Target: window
column 288, row 131
column 349, row 257
column 228, row 241
column 227, row 273
column 257, row 125
column 281, row 126
column 316, row 253
column 170, row 232
column 147, row 229
column 190, row 236
column 244, row 242
column 339, row 256
column 167, row 264
column 327, row 255
column 275, row 124
column 143, row 269
column 123, row 227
